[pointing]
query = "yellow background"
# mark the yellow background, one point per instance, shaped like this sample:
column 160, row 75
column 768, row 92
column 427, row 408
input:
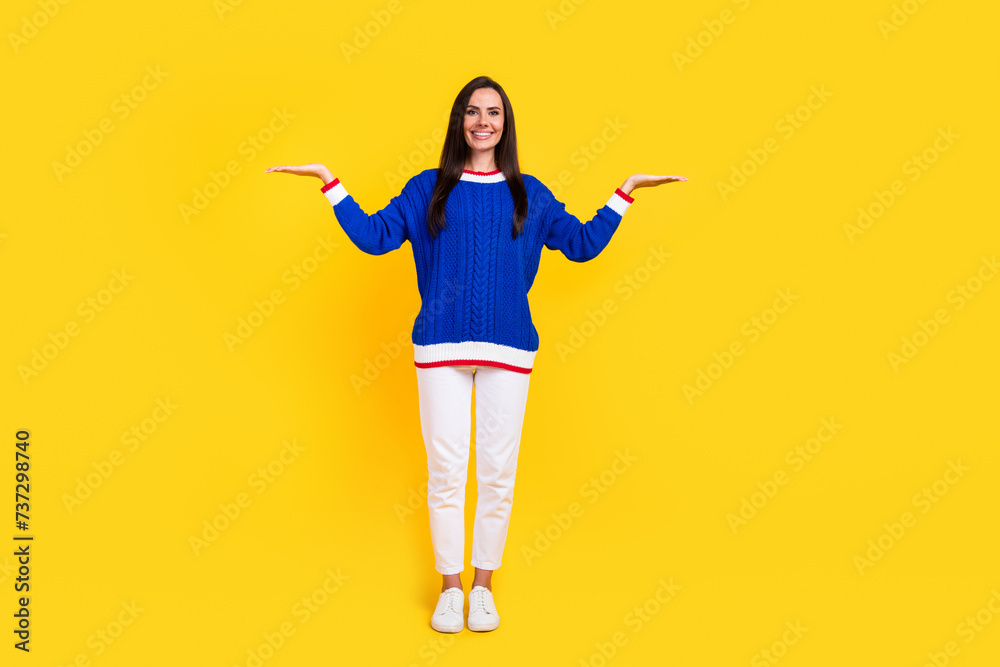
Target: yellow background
column 351, row 501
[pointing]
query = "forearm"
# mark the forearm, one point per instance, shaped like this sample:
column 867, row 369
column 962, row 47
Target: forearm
column 374, row 234
column 581, row 242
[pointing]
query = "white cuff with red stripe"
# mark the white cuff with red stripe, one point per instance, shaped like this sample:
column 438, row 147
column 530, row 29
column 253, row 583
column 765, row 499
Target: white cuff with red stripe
column 620, row 202
column 334, row 191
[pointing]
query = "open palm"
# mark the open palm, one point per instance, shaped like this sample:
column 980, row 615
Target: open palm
column 649, row 180
column 317, row 169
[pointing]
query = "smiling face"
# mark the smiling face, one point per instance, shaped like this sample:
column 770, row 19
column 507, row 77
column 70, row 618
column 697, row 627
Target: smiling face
column 484, row 120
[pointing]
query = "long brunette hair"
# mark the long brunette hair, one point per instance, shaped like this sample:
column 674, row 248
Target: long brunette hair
column 455, row 150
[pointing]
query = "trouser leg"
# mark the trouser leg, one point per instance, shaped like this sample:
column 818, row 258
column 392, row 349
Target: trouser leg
column 501, row 398
column 445, row 397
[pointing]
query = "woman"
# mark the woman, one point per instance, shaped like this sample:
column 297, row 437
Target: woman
column 477, row 226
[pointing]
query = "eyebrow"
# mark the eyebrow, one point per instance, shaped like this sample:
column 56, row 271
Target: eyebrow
column 472, row 106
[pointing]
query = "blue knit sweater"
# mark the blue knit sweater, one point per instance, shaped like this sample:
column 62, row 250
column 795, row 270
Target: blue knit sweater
column 474, row 278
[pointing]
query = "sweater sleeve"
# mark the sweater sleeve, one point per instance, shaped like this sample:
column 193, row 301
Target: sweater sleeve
column 581, row 242
column 374, row 234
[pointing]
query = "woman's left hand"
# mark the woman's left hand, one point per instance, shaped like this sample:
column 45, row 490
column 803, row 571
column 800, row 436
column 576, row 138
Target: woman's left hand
column 647, row 181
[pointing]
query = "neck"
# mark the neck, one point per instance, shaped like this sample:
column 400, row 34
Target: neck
column 481, row 162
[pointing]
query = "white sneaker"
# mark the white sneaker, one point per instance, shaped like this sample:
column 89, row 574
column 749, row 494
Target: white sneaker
column 447, row 615
column 483, row 615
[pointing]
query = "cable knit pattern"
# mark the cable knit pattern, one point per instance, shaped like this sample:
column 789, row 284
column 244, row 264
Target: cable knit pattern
column 474, row 278
column 479, row 268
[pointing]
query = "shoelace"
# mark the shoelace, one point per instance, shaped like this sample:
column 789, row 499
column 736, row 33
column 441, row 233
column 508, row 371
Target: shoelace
column 453, row 598
column 478, row 601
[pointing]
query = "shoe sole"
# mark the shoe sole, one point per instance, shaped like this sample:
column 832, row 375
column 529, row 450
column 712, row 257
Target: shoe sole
column 448, row 629
column 484, row 628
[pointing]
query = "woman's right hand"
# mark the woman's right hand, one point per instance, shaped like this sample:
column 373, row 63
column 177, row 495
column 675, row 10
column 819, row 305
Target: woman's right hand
column 316, row 169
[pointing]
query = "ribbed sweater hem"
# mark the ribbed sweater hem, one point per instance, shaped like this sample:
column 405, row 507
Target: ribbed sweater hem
column 474, row 353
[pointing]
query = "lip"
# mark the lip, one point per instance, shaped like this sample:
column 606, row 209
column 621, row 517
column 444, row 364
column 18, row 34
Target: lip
column 482, row 138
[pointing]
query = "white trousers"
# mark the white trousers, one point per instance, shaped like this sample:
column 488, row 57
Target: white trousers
column 445, row 395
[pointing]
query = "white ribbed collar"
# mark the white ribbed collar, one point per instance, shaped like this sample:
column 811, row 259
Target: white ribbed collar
column 482, row 176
